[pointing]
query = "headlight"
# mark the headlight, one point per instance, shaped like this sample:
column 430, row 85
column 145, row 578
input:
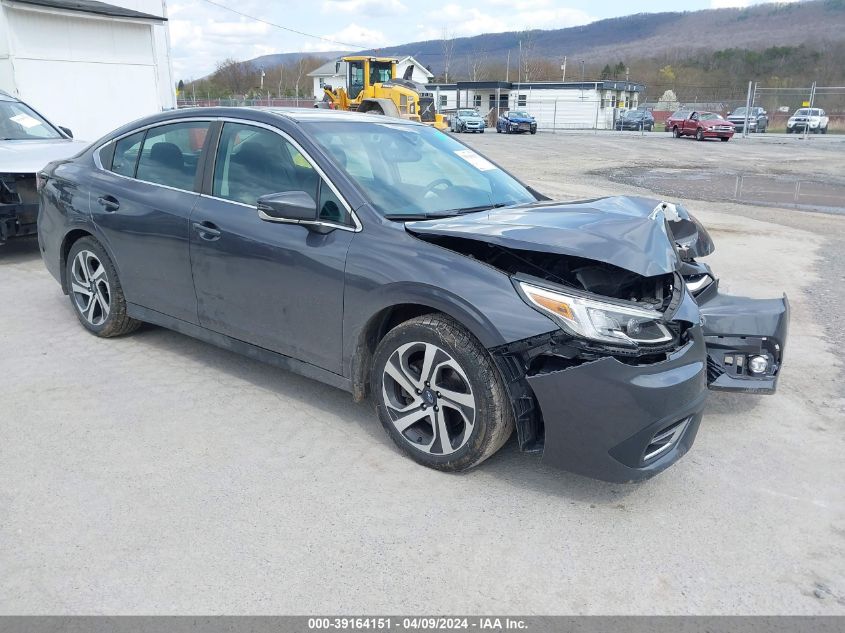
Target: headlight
column 598, row 320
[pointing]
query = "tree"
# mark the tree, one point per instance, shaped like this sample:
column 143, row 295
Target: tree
column 527, row 61
column 477, row 65
column 618, row 70
column 448, row 50
column 606, row 72
column 667, row 74
column 233, row 76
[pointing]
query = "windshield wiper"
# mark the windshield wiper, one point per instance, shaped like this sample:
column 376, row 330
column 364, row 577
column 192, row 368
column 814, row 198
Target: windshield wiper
column 449, row 213
column 482, row 207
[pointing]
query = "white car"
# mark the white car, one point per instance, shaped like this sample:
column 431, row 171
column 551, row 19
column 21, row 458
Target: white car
column 28, row 142
column 812, row 119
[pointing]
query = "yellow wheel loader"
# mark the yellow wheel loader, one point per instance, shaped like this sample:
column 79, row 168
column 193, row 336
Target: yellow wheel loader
column 374, row 87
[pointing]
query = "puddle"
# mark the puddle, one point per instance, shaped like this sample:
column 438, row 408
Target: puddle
column 777, row 191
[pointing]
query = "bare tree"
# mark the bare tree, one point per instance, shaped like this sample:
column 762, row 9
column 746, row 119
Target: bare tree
column 448, row 50
column 527, row 60
column 477, row 65
column 233, row 76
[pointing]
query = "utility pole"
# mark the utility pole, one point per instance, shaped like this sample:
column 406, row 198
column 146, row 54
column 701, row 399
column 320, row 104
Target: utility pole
column 508, row 67
column 262, row 79
column 582, row 79
column 747, row 110
column 563, row 68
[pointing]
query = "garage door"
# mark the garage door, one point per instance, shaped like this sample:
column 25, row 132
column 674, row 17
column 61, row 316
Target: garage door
column 89, row 74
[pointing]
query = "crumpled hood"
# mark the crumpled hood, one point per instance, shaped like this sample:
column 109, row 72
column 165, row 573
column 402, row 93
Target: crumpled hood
column 27, row 157
column 621, row 231
column 521, row 119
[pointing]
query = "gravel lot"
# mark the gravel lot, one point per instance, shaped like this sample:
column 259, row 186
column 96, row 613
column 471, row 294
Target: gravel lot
column 155, row 474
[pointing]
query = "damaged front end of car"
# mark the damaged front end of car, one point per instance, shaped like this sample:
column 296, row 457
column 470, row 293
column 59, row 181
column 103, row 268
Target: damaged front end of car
column 18, row 205
column 618, row 389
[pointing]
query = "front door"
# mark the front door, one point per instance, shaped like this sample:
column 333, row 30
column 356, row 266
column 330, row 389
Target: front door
column 273, row 284
column 142, row 201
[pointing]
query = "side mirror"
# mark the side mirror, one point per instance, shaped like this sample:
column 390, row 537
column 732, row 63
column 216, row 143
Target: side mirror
column 66, row 130
column 287, row 206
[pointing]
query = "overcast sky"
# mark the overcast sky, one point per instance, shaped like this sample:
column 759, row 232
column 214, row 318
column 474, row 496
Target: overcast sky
column 202, row 33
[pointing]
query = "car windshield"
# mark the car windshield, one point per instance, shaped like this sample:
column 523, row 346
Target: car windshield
column 416, row 170
column 807, row 112
column 705, row 116
column 467, row 113
column 740, row 111
column 680, row 114
column 19, row 122
column 520, row 114
column 634, row 114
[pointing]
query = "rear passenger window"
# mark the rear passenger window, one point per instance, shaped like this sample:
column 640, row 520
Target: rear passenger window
column 170, row 154
column 126, row 154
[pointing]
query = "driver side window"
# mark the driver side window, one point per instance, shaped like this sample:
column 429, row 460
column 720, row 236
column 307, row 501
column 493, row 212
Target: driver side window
column 252, row 162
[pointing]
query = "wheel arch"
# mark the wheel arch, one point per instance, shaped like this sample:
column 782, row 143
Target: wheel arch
column 71, row 238
column 387, row 318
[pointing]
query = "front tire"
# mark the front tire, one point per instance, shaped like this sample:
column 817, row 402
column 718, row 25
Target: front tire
column 438, row 394
column 676, row 132
column 95, row 291
column 699, row 134
column 724, row 139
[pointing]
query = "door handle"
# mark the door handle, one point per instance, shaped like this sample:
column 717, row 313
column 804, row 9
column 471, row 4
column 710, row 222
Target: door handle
column 109, row 203
column 207, row 231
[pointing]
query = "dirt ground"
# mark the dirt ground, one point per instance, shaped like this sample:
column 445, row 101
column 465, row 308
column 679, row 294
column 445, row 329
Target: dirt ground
column 156, row 474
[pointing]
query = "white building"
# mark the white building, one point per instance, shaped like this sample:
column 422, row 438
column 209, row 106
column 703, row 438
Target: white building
column 87, row 65
column 334, row 74
column 555, row 105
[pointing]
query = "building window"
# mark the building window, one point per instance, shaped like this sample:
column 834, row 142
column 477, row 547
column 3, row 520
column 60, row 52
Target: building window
column 521, row 101
column 322, row 83
column 476, row 101
column 443, row 101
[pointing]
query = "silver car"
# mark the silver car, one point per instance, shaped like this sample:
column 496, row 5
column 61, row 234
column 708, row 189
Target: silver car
column 28, row 142
column 467, row 120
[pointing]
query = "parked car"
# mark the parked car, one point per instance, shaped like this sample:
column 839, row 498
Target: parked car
column 676, row 118
column 758, row 119
column 635, row 120
column 28, row 142
column 394, row 262
column 467, row 120
column 704, row 125
column 813, row 119
column 516, row 122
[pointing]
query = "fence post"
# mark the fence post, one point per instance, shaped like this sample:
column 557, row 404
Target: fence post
column 554, row 117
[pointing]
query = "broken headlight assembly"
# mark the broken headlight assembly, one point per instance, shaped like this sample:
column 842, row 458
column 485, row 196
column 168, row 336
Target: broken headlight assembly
column 596, row 320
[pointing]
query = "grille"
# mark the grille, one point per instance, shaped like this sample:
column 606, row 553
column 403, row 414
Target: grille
column 664, row 440
column 524, row 126
column 714, row 370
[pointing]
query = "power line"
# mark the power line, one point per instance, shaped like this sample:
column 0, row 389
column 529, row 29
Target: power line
column 284, row 28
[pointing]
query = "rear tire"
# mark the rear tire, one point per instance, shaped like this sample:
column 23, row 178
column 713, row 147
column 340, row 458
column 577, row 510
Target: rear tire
column 439, row 395
column 824, row 130
column 95, row 291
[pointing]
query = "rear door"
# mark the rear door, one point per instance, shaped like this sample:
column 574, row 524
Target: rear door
column 273, row 284
column 141, row 201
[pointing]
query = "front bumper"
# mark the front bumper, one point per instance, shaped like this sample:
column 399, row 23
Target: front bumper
column 602, row 418
column 717, row 133
column 737, row 329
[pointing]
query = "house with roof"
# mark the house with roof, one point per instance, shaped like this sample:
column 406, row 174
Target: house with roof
column 334, row 74
column 88, row 65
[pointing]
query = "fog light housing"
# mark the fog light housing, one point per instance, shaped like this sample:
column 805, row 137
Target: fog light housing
column 758, row 364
